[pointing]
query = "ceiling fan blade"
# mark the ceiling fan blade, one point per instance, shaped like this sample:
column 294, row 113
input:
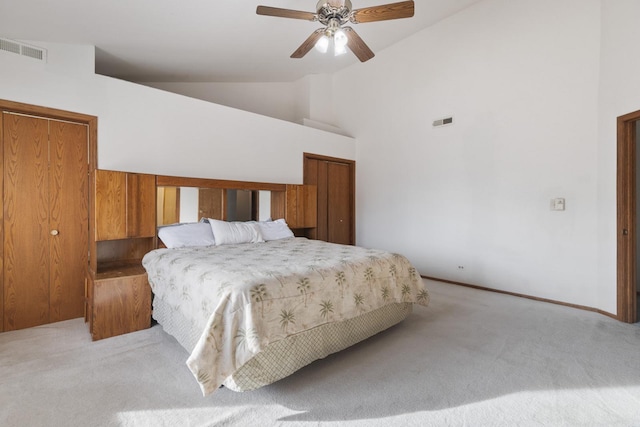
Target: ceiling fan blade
column 357, row 45
column 286, row 13
column 383, row 12
column 309, row 43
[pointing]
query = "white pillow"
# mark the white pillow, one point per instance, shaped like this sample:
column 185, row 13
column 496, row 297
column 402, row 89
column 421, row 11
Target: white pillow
column 275, row 230
column 186, row 234
column 229, row 233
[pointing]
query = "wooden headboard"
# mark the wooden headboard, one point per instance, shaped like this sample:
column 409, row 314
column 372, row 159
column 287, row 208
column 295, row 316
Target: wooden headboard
column 296, row 203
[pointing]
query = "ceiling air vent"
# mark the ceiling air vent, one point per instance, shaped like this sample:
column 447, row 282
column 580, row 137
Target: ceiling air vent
column 443, row 122
column 23, row 49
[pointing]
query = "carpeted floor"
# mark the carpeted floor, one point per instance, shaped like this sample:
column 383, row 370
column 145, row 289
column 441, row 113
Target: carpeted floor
column 472, row 358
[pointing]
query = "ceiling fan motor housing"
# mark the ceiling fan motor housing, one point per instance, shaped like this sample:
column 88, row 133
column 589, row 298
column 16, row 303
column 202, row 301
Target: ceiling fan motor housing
column 329, row 10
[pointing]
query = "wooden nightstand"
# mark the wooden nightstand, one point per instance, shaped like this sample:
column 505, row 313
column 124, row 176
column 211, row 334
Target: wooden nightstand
column 118, row 302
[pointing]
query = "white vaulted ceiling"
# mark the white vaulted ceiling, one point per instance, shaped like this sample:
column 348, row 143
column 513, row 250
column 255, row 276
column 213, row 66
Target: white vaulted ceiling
column 200, row 40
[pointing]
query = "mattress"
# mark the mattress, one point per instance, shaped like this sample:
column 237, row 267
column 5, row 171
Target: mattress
column 231, row 305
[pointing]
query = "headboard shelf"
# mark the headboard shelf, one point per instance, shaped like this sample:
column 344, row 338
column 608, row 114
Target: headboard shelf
column 178, row 181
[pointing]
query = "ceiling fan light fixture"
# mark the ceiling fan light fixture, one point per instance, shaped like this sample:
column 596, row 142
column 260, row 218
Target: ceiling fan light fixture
column 339, row 42
column 322, row 45
column 339, row 50
column 340, row 38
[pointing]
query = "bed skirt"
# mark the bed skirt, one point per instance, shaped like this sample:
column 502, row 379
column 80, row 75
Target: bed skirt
column 282, row 358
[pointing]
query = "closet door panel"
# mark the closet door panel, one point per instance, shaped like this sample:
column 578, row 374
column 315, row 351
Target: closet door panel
column 335, row 179
column 339, row 198
column 315, row 173
column 26, row 225
column 69, row 219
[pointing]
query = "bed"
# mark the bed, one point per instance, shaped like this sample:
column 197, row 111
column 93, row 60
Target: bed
column 254, row 312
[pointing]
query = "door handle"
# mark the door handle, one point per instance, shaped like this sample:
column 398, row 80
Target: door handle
column 54, row 232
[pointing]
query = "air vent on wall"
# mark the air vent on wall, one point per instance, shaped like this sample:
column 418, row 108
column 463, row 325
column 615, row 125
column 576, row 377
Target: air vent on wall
column 443, row 122
column 23, row 49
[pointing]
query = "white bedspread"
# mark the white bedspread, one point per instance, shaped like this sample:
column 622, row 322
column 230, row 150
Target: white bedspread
column 244, row 297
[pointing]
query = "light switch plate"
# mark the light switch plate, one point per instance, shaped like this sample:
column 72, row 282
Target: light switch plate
column 557, row 204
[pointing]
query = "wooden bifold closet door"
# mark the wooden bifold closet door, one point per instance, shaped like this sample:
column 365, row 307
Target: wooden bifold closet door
column 45, row 220
column 335, row 180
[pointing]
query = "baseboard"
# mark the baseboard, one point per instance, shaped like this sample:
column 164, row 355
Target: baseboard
column 566, row 304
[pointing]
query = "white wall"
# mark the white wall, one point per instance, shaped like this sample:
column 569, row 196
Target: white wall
column 308, row 101
column 521, row 79
column 275, row 100
column 148, row 130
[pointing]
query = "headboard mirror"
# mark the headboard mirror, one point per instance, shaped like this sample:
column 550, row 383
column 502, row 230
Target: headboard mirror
column 190, row 204
column 190, row 199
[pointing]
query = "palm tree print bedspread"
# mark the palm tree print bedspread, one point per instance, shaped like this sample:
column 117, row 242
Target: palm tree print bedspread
column 244, row 297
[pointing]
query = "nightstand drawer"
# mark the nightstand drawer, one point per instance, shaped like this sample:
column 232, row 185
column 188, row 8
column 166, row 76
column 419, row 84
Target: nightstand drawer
column 120, row 305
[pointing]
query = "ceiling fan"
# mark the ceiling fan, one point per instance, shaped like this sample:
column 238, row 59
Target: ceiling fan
column 333, row 14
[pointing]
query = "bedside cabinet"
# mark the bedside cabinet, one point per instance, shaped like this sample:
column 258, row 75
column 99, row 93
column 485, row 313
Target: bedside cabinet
column 118, row 302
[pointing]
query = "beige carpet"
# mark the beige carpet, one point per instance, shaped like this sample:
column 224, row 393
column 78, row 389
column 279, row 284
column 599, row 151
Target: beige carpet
column 472, row 358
